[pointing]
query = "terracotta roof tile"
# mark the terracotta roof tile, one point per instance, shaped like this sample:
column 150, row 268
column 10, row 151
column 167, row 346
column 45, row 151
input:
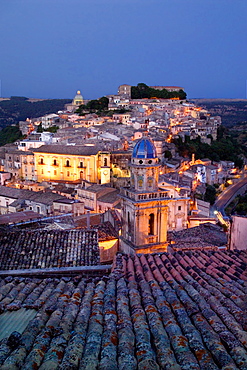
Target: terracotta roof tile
column 159, row 311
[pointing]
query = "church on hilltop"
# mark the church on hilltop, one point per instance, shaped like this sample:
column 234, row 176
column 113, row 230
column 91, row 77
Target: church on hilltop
column 148, row 211
column 76, row 102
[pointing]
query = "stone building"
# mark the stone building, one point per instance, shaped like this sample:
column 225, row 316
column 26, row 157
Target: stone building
column 72, row 163
column 124, row 90
column 145, row 207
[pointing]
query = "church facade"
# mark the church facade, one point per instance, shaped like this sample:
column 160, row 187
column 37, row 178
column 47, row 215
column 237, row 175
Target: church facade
column 147, row 209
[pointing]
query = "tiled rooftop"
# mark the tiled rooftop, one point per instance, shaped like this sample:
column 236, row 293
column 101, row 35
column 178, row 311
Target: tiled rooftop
column 48, row 249
column 206, row 235
column 68, row 149
column 160, row 311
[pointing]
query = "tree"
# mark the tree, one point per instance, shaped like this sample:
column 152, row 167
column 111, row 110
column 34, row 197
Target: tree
column 40, row 128
column 168, row 154
column 210, row 194
column 10, row 134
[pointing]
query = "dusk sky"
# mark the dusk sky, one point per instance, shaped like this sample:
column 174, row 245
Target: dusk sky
column 51, row 48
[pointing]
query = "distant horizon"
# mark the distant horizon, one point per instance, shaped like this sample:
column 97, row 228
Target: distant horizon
column 71, row 98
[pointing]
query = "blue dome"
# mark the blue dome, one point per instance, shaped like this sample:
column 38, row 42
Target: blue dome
column 144, row 148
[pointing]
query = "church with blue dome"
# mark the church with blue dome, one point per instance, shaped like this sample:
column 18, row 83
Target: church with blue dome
column 149, row 210
column 144, row 206
column 144, row 148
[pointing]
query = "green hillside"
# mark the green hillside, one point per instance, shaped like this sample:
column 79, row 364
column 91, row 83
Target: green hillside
column 20, row 108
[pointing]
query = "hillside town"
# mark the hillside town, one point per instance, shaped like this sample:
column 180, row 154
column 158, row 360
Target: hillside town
column 82, row 167
column 112, row 253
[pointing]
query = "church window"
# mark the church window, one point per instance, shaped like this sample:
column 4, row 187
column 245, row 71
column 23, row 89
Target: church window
column 129, row 223
column 81, row 165
column 41, row 161
column 151, row 224
column 150, row 182
column 54, row 162
column 67, row 163
column 105, row 161
column 140, row 181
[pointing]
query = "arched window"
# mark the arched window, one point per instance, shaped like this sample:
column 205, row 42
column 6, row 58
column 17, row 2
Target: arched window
column 151, row 224
column 129, row 223
column 54, row 162
column 67, row 163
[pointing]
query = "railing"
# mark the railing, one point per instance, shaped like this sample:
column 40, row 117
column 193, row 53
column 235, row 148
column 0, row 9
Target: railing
column 144, row 196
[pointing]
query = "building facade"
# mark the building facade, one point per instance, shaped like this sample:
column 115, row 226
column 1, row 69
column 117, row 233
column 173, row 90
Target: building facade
column 72, row 163
column 147, row 210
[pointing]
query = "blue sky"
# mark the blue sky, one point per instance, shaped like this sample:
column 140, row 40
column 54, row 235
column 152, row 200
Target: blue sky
column 51, row 48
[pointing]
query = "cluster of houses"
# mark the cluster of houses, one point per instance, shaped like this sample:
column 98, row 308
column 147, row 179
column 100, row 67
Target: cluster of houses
column 83, row 166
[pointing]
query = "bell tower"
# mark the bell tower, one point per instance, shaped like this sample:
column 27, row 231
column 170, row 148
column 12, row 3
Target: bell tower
column 145, row 207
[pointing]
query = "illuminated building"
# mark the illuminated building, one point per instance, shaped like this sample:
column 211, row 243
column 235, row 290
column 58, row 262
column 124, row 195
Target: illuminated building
column 148, row 211
column 78, row 99
column 72, row 163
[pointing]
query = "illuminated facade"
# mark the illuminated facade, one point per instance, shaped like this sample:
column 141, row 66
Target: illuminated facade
column 148, row 211
column 72, row 163
column 78, row 99
column 144, row 206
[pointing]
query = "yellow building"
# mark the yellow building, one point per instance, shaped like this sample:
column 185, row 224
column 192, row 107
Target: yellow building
column 78, row 99
column 72, row 163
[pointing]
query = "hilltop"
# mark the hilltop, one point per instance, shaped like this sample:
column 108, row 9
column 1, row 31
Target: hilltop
column 17, row 108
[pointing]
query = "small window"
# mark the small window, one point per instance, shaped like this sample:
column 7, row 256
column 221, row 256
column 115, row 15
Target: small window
column 55, row 162
column 67, row 163
column 179, row 208
column 105, row 161
column 151, row 224
column 68, row 173
column 55, row 172
column 41, row 161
